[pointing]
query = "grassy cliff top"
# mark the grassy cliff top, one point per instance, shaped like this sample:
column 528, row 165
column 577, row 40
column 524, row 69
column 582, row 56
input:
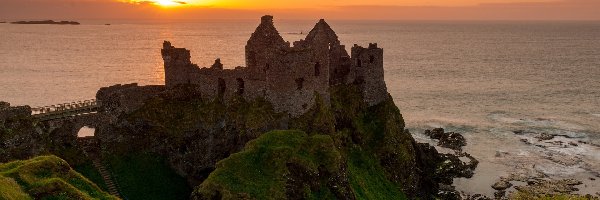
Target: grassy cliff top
column 46, row 177
column 291, row 164
column 261, row 170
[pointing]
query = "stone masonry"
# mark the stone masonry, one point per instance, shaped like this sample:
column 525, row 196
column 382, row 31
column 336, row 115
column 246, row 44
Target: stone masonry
column 288, row 76
column 8, row 112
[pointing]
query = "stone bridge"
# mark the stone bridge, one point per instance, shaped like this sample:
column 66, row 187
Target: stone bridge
column 63, row 123
column 65, row 110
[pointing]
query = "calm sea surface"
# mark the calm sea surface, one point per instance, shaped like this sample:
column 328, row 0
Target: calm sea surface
column 483, row 79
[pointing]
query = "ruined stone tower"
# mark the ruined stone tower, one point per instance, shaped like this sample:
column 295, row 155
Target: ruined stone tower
column 290, row 77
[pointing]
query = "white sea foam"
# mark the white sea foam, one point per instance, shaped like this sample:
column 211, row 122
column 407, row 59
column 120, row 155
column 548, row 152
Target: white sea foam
column 557, row 124
column 504, row 118
column 558, row 169
column 523, row 153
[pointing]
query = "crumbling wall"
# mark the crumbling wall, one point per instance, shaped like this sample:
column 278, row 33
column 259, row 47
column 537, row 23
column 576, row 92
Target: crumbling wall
column 119, row 98
column 178, row 66
column 292, row 82
column 8, row 112
column 369, row 73
column 287, row 76
column 19, row 137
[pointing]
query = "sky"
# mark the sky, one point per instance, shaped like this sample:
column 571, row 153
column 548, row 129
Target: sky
column 301, row 9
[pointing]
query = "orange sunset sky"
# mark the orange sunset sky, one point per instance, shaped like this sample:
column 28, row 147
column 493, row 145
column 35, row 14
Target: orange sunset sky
column 303, row 9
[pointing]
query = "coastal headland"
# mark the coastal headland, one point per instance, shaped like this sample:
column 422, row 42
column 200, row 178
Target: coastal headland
column 302, row 120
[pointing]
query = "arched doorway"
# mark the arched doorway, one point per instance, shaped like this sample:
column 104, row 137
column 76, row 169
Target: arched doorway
column 86, row 131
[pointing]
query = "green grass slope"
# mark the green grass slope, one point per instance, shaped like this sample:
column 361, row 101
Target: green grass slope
column 367, row 178
column 267, row 168
column 262, row 169
column 10, row 190
column 46, row 177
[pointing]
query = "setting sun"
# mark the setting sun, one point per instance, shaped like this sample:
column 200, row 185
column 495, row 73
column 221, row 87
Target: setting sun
column 161, row 3
column 166, row 3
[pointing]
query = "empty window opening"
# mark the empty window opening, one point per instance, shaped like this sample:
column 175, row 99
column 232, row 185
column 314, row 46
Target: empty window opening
column 299, row 83
column 221, row 87
column 240, row 89
column 371, row 59
column 86, row 131
column 358, row 63
column 317, row 69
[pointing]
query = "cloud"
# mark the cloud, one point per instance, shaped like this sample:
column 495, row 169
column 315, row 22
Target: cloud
column 154, row 3
column 143, row 2
column 576, row 3
column 556, row 10
column 110, row 9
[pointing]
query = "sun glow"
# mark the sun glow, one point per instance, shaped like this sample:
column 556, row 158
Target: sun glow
column 162, row 3
column 167, row 3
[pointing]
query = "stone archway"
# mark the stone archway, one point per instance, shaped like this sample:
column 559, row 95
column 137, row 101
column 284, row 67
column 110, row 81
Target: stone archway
column 86, row 131
column 69, row 130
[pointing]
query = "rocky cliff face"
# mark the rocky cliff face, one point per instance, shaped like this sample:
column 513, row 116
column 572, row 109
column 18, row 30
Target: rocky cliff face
column 195, row 134
column 192, row 133
column 19, row 138
column 371, row 155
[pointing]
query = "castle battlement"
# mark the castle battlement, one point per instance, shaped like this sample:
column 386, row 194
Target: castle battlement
column 287, row 76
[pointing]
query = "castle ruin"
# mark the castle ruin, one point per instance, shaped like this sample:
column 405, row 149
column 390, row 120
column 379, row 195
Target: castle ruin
column 290, row 77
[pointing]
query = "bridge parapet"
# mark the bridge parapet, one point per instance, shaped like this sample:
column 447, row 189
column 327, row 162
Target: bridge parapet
column 66, row 109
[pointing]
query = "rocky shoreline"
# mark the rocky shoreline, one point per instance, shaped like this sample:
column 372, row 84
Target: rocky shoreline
column 518, row 185
column 555, row 148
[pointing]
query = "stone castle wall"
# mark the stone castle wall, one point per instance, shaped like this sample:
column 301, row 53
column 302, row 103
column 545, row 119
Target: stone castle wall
column 368, row 72
column 126, row 98
column 287, row 76
column 10, row 112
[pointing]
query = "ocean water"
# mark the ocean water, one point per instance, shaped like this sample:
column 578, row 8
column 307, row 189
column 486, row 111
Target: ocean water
column 482, row 79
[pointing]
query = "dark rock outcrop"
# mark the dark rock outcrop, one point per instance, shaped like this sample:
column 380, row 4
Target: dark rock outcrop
column 544, row 136
column 19, row 137
column 541, row 187
column 439, row 170
column 502, row 185
column 449, row 140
